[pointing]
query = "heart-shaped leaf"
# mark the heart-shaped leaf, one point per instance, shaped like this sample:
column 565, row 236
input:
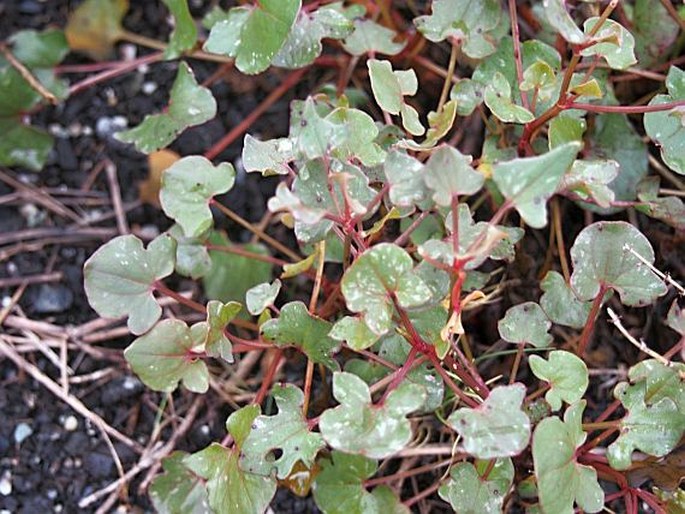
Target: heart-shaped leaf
column 184, row 35
column 469, row 493
column 119, row 278
column 165, row 355
column 287, row 431
column 525, row 323
column 189, row 104
column 254, row 35
column 360, row 427
column 667, row 128
column 187, row 188
column 259, row 297
column 612, row 254
column 405, row 176
column 567, row 375
column 560, row 302
column 449, row 173
column 295, row 326
column 230, row 488
column 389, row 89
column 561, row 480
column 529, row 182
column 496, row 428
column 377, row 276
column 339, row 487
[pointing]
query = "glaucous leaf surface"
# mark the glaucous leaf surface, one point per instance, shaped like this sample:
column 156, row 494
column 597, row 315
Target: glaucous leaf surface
column 469, row 493
column 560, row 303
column 259, row 297
column 286, row 431
column 566, row 374
column 188, row 186
column 219, row 315
column 614, row 43
column 448, row 173
column 529, row 182
column 166, row 355
column 358, row 426
column 496, row 428
column 590, row 180
column 192, row 256
column 602, row 255
column 498, row 99
column 389, row 89
column 189, row 104
column 559, row 18
column 526, row 323
column 296, row 326
column 119, row 278
column 561, row 480
column 368, row 36
column 177, row 490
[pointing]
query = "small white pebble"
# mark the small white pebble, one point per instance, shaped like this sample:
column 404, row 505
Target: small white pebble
column 148, row 87
column 6, row 484
column 21, row 432
column 70, row 423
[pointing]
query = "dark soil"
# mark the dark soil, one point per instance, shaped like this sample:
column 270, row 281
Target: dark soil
column 50, row 457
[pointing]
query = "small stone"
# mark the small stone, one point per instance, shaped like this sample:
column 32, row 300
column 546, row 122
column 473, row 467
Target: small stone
column 52, row 298
column 21, row 432
column 107, row 126
column 6, row 484
column 70, row 423
column 149, row 87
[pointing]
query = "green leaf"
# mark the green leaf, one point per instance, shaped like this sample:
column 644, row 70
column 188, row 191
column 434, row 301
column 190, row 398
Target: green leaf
column 254, row 35
column 95, row 26
column 44, row 49
column 498, row 99
column 676, row 318
column 378, row 273
column 667, row 128
column 469, row 493
column 119, row 279
column 589, row 180
column 369, row 36
column 567, row 375
column 449, row 173
column 498, row 427
column 468, row 94
column 526, row 323
column 230, row 488
column 354, row 332
column 661, row 381
column 178, row 490
column 296, row 326
column 268, row 157
column 233, row 275
column 192, row 257
column 303, row 45
column 565, row 129
column 23, row 145
column 389, row 89
column 560, row 303
column 655, row 32
column 654, row 423
column 602, row 256
column 165, row 355
column 188, row 186
column 189, row 104
column 558, row 17
column 219, row 315
column 339, row 487
column 614, row 43
column 259, row 297
column 405, row 176
column 561, row 480
column 472, row 23
column 529, row 182
column 184, row 35
column 358, row 426
column 286, row 431
column 539, row 77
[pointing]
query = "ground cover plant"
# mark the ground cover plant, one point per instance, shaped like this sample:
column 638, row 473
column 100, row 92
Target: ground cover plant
column 465, row 291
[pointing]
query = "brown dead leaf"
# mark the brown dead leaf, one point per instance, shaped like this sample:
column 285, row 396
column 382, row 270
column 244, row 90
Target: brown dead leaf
column 666, row 473
column 148, row 190
column 95, row 26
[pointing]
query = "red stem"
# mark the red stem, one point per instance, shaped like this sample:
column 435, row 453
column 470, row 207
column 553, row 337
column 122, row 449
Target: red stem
column 626, row 109
column 592, row 318
column 113, row 72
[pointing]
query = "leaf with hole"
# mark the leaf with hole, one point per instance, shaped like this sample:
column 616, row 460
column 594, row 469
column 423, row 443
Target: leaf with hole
column 296, row 326
column 188, row 186
column 667, row 128
column 468, row 492
column 360, row 427
column 614, row 255
column 567, row 375
column 380, row 274
column 529, row 182
column 286, row 431
column 119, row 279
column 525, row 323
column 168, row 354
column 496, row 428
column 189, row 104
column 561, row 480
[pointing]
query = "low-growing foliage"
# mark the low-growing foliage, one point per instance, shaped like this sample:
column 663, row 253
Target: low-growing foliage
column 410, row 209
